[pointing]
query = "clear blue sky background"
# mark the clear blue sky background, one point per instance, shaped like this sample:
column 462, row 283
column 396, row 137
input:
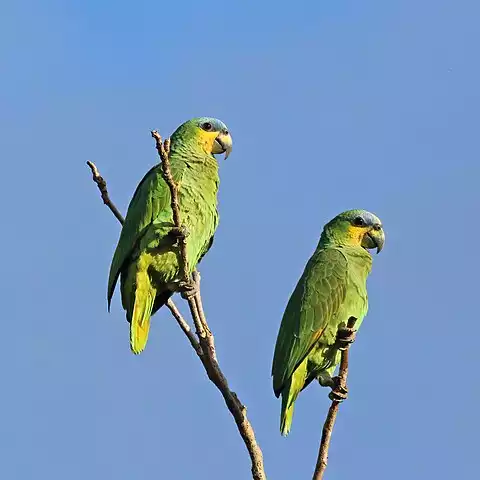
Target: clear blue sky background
column 332, row 105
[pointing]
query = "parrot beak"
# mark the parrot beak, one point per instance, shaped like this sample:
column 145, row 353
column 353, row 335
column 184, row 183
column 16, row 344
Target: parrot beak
column 374, row 238
column 222, row 144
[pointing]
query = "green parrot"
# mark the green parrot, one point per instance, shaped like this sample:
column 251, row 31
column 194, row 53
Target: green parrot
column 331, row 289
column 146, row 255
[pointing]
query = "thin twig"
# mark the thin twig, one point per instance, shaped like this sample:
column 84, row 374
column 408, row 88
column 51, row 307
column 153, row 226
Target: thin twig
column 199, row 306
column 102, row 186
column 206, row 339
column 163, row 149
column 184, row 326
column 332, row 413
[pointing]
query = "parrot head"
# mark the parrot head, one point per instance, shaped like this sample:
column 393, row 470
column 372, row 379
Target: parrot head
column 356, row 227
column 209, row 133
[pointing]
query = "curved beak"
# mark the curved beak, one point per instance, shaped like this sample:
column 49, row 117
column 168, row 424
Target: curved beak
column 222, row 144
column 374, row 238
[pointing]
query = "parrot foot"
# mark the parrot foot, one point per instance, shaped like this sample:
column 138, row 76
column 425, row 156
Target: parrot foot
column 345, row 337
column 189, row 289
column 339, row 392
column 179, row 233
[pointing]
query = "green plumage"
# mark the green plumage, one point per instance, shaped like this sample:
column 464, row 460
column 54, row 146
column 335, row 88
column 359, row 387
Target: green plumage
column 331, row 289
column 146, row 257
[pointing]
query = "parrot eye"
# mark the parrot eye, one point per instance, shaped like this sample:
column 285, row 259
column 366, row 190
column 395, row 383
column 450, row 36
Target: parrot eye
column 207, row 126
column 358, row 222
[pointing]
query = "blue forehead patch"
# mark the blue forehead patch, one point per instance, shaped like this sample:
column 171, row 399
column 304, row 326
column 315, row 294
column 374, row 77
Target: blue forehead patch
column 368, row 217
column 218, row 125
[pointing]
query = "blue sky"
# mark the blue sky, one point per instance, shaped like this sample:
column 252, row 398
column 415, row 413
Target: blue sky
column 332, row 105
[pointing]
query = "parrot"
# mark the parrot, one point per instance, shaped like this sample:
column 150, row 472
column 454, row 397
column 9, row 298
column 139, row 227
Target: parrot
column 331, row 289
column 146, row 256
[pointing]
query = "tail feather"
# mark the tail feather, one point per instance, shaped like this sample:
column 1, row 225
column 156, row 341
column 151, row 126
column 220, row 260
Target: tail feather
column 290, row 392
column 286, row 416
column 142, row 310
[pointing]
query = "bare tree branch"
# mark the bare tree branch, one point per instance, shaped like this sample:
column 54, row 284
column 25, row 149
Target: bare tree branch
column 206, row 339
column 102, row 186
column 184, row 326
column 204, row 346
column 332, row 412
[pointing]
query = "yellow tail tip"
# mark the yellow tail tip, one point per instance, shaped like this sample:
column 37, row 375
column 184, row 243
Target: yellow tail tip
column 136, row 350
column 138, row 338
column 286, row 421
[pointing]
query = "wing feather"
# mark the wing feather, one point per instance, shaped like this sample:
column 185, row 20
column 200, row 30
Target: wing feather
column 313, row 305
column 150, row 200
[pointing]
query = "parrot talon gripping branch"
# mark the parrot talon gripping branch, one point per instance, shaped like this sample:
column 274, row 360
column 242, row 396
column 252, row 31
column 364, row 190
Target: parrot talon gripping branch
column 339, row 392
column 188, row 289
column 345, row 337
column 179, row 233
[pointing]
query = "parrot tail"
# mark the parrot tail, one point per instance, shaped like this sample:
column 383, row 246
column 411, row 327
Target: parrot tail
column 290, row 392
column 142, row 310
column 286, row 415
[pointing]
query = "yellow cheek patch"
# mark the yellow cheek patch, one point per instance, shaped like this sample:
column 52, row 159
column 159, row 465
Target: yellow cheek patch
column 355, row 234
column 206, row 139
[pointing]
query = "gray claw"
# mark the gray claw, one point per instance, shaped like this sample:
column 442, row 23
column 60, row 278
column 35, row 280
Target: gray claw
column 188, row 289
column 179, row 233
column 339, row 392
column 345, row 337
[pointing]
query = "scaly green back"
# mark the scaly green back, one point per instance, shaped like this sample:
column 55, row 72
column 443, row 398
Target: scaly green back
column 313, row 306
